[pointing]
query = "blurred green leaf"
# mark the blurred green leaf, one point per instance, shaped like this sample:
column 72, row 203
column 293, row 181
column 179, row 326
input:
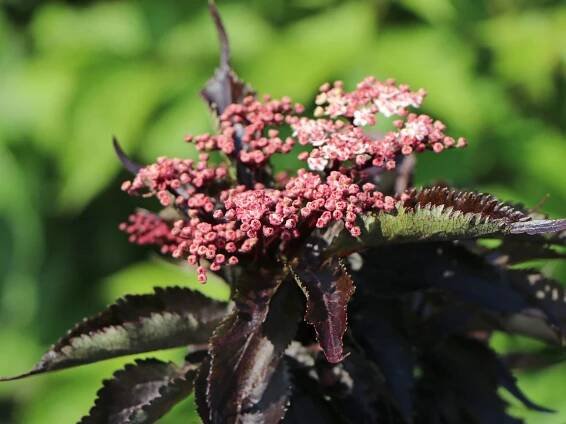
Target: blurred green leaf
column 115, row 28
column 142, row 277
column 529, row 47
column 118, row 103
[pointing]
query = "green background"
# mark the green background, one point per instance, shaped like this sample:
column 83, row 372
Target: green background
column 74, row 73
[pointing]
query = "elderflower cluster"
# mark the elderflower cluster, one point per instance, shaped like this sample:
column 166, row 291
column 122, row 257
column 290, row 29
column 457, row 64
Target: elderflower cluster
column 222, row 221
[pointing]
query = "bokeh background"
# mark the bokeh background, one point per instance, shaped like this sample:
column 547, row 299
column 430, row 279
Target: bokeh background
column 73, row 73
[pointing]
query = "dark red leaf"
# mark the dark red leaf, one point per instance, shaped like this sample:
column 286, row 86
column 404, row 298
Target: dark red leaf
column 170, row 317
column 460, row 382
column 224, row 87
column 128, row 164
column 354, row 386
column 308, row 404
column 201, row 391
column 540, row 226
column 328, row 289
column 247, row 347
column 375, row 328
column 141, row 393
column 272, row 406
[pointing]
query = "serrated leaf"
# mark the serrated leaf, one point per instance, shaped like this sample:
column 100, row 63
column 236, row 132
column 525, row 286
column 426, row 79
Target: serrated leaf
column 141, row 393
column 224, row 87
column 201, row 390
column 442, row 214
column 452, row 389
column 328, row 289
column 168, row 318
column 247, row 346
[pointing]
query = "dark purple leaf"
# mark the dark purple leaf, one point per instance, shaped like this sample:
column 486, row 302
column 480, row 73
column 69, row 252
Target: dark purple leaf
column 308, row 404
column 404, row 173
column 540, row 226
column 459, row 383
column 247, row 347
column 273, row 404
column 354, row 386
column 141, row 393
column 328, row 289
column 128, row 164
column 406, row 268
column 515, row 250
column 536, row 360
column 168, row 318
column 224, row 88
column 543, row 293
column 508, row 381
column 201, row 391
column 375, row 327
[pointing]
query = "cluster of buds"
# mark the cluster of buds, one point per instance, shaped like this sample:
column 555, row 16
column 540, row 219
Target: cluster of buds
column 249, row 131
column 222, row 221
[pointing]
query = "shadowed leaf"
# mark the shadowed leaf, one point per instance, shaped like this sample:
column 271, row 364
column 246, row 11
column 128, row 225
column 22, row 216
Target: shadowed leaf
column 201, row 390
column 308, row 404
column 247, row 346
column 544, row 294
column 328, row 289
column 354, row 385
column 168, row 318
column 141, row 393
column 453, row 390
column 423, row 266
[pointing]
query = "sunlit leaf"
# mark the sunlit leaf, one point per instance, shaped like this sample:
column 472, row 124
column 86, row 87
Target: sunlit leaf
column 168, row 318
column 248, row 345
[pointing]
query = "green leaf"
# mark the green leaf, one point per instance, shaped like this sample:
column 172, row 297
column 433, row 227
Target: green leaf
column 170, row 317
column 118, row 103
column 141, row 277
column 111, row 28
column 141, row 393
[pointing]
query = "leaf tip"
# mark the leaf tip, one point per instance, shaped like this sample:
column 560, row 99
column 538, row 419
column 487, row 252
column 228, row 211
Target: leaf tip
column 128, row 164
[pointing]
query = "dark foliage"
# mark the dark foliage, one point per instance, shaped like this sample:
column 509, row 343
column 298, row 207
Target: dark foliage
column 391, row 326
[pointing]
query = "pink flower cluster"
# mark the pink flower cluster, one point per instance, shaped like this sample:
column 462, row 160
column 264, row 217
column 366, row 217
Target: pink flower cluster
column 250, row 130
column 222, row 221
column 370, row 97
column 178, row 181
column 146, row 228
column 337, row 140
